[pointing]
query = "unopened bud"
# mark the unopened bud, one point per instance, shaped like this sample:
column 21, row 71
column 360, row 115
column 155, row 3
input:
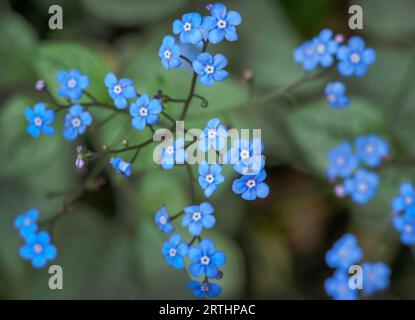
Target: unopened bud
column 248, row 75
column 40, row 85
column 340, row 190
column 209, row 6
column 339, row 38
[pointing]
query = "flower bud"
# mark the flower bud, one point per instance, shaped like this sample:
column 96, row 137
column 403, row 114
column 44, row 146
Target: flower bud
column 40, row 85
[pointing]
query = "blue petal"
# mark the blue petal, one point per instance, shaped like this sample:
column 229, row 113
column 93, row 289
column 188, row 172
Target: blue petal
column 233, row 18
column 110, row 80
column 216, row 36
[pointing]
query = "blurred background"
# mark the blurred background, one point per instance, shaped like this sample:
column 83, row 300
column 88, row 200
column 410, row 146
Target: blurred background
column 108, row 244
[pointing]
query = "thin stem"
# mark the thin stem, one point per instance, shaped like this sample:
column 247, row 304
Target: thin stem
column 177, row 215
column 189, row 98
column 191, row 180
column 173, row 121
column 186, row 59
column 117, row 151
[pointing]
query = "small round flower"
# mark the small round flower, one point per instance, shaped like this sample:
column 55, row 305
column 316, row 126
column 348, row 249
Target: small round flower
column 162, row 220
column 204, row 289
column 210, row 68
column 27, row 222
column 120, row 90
column 76, row 122
column 406, row 199
column 79, row 162
column 251, row 187
column 336, row 95
column 145, row 111
column 213, row 136
column 338, row 288
column 340, row 191
column 169, row 53
column 342, row 162
column 40, row 120
column 325, row 48
column 246, row 156
column 40, row 85
column 121, row 166
column 199, row 217
column 174, row 252
column 38, row 249
column 205, row 260
column 210, row 178
column 73, row 83
column 354, row 57
column 362, row 186
column 221, row 24
column 371, row 150
column 375, row 277
column 406, row 226
column 189, row 28
column 344, row 253
column 172, row 153
column 305, row 55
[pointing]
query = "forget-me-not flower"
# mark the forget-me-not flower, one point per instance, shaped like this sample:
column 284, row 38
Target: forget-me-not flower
column 120, row 90
column 40, row 120
column 76, row 122
column 210, row 68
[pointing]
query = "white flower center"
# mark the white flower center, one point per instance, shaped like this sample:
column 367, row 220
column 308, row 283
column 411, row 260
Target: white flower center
column 362, row 186
column 37, row 248
column 187, row 26
column 38, row 121
column 204, row 288
column 222, row 24
column 205, row 260
column 196, row 216
column 209, row 69
column 117, row 89
column 407, row 228
column 72, row 83
column 163, row 220
column 331, row 98
column 370, row 148
column 321, row 48
column 143, row 112
column 211, row 133
column 209, row 178
column 340, row 160
column 27, row 222
column 251, row 183
column 172, row 252
column 409, row 200
column 309, row 51
column 244, row 154
column 170, row 150
column 355, row 58
column 76, row 122
column 167, row 54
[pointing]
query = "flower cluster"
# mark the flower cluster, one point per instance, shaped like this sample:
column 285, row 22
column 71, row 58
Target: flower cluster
column 193, row 29
column 403, row 213
column 359, row 183
column 204, row 260
column 37, row 248
column 344, row 254
column 353, row 59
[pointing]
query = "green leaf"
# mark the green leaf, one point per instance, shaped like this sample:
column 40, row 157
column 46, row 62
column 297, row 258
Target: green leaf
column 50, row 57
column 16, row 49
column 131, row 12
column 317, row 127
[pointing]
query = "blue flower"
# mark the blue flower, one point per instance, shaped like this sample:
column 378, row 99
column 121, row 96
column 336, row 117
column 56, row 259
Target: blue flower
column 319, row 50
column 205, row 259
column 371, row 150
column 246, row 156
column 174, row 251
column 344, row 253
column 210, row 178
column 169, row 53
column 336, row 95
column 338, row 288
column 162, row 220
column 189, row 28
column 209, row 68
column 40, row 120
column 145, row 111
column 252, row 186
column 121, row 166
column 27, row 222
column 406, row 199
column 362, row 186
column 221, row 24
column 199, row 217
column 406, row 226
column 73, row 83
column 213, row 136
column 354, row 57
column 204, row 289
column 375, row 277
column 120, row 90
column 76, row 122
column 342, row 162
column 38, row 249
column 172, row 153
